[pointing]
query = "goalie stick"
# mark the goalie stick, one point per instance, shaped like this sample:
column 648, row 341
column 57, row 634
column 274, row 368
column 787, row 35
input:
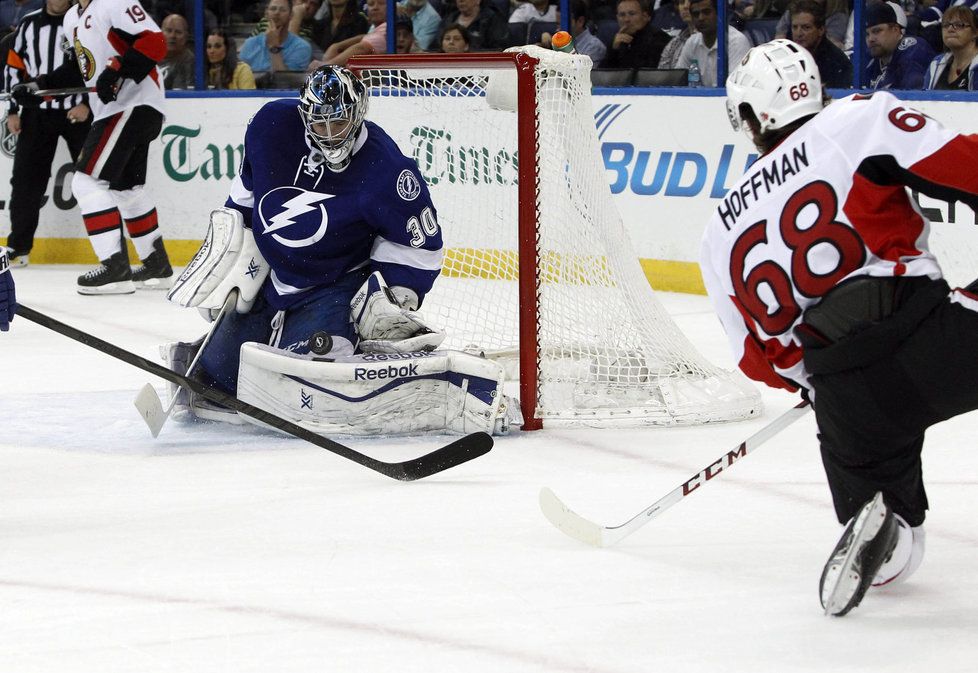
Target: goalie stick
column 148, row 402
column 576, row 526
column 460, row 451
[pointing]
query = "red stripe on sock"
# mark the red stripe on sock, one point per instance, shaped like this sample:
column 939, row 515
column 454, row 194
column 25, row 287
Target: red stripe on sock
column 99, row 223
column 142, row 225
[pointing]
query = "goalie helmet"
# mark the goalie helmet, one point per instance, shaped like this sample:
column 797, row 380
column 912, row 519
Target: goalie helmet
column 333, row 105
column 780, row 83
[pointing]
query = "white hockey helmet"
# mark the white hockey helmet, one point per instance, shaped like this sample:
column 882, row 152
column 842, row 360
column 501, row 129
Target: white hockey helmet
column 780, row 83
column 333, row 105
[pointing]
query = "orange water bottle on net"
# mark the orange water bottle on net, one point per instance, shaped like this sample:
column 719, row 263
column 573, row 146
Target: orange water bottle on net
column 562, row 41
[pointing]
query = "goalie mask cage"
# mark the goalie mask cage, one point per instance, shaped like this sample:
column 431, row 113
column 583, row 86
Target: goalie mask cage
column 539, row 271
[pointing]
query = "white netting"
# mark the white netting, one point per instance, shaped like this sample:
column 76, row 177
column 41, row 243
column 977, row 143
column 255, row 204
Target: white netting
column 608, row 352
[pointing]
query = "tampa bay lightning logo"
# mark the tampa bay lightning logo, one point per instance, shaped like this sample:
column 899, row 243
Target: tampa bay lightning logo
column 294, row 217
column 408, row 187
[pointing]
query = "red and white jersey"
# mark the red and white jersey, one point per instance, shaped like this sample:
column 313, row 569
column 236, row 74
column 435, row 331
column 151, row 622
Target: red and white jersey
column 107, row 28
column 828, row 204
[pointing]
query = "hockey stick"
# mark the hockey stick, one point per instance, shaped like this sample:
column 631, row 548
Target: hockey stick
column 149, row 404
column 579, row 528
column 460, row 451
column 52, row 93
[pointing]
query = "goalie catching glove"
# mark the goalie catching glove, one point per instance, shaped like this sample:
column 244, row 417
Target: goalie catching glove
column 387, row 321
column 228, row 259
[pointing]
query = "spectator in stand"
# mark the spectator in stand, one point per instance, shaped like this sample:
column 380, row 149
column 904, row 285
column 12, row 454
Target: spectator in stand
column 455, row 40
column 404, row 42
column 12, row 11
column 836, row 13
column 534, row 10
column 955, row 69
column 670, row 55
column 339, row 20
column 809, row 30
column 764, row 9
column 303, row 22
column 898, row 62
column 585, row 41
column 425, row 22
column 637, row 44
column 487, row 28
column 926, row 19
column 160, row 9
column 374, row 42
column 666, row 16
column 276, row 49
column 178, row 64
column 224, row 70
column 702, row 45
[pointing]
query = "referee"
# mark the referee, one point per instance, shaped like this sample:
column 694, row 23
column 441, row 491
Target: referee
column 38, row 48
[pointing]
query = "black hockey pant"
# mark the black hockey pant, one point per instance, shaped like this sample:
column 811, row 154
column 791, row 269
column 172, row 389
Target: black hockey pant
column 879, row 389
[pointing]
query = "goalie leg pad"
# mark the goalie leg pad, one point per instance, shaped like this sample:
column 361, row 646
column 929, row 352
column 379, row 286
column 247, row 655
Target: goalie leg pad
column 377, row 394
column 228, row 258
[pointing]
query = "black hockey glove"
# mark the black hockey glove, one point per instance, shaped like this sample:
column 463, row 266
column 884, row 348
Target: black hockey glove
column 107, row 84
column 24, row 94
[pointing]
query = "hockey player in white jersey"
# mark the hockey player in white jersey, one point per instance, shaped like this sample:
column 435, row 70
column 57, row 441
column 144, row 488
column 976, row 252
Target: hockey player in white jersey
column 817, row 263
column 116, row 45
column 327, row 245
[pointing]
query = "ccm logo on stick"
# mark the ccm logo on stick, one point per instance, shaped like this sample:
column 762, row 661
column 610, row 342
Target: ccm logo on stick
column 364, row 374
column 714, row 469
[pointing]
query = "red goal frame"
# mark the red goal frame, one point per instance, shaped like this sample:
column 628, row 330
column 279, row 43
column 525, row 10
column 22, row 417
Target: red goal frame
column 527, row 190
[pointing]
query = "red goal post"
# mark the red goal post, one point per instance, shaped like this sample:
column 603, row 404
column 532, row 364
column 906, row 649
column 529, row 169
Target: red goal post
column 539, row 272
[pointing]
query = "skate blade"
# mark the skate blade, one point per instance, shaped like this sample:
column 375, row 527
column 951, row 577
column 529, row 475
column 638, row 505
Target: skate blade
column 120, row 287
column 847, row 581
column 155, row 284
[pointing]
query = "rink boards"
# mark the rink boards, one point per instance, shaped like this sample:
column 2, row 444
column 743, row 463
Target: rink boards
column 668, row 161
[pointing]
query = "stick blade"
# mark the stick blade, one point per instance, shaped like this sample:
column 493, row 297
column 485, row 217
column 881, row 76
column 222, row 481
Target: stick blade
column 568, row 521
column 460, row 451
column 148, row 404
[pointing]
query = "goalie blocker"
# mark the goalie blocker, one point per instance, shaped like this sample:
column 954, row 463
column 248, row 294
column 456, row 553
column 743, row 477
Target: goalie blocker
column 370, row 394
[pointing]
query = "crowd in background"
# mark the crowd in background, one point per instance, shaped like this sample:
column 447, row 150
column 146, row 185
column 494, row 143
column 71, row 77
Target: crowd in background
column 911, row 43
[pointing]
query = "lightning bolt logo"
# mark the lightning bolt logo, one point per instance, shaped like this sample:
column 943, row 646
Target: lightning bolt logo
column 291, row 210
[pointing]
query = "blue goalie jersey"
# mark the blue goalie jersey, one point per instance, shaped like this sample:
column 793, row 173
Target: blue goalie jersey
column 314, row 226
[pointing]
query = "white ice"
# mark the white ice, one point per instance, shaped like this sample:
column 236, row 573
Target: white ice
column 219, row 549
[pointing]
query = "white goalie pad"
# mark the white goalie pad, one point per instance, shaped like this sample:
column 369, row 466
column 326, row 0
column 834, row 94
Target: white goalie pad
column 228, row 259
column 378, row 394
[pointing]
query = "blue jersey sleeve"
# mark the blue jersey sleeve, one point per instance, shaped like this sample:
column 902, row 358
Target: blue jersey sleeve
column 407, row 249
column 241, row 196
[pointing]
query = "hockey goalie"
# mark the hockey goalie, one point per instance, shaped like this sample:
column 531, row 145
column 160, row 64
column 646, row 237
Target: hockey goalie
column 313, row 273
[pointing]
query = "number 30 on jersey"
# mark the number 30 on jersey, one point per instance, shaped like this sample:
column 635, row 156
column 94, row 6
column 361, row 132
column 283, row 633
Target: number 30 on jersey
column 422, row 229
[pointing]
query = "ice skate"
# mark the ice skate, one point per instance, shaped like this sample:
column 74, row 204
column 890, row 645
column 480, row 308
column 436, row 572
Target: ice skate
column 112, row 276
column 17, row 257
column 865, row 543
column 155, row 273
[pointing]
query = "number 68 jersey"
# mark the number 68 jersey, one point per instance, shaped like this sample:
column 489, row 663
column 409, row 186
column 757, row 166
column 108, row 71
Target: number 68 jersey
column 827, row 204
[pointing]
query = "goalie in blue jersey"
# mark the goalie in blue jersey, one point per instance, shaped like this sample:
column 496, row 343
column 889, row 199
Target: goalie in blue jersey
column 314, row 270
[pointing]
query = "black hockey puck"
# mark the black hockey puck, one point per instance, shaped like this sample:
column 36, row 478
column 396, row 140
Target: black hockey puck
column 320, row 343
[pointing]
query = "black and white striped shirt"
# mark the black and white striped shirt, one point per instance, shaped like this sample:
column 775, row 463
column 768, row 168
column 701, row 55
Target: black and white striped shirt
column 37, row 49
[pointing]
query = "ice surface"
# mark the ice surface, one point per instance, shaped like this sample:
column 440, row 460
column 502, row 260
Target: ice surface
column 217, row 549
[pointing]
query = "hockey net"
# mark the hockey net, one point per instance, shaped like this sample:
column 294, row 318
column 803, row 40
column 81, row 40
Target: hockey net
column 539, row 271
